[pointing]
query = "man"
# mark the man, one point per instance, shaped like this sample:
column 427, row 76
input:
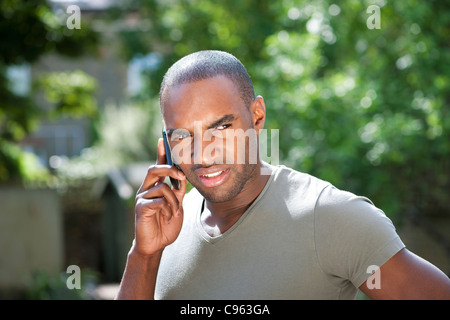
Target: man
column 250, row 230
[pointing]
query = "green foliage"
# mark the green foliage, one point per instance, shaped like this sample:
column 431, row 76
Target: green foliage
column 13, row 124
column 127, row 133
column 130, row 132
column 71, row 92
column 29, row 29
column 178, row 27
column 18, row 166
column 366, row 109
column 47, row 286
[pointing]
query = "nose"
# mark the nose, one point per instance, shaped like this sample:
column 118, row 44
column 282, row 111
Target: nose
column 208, row 149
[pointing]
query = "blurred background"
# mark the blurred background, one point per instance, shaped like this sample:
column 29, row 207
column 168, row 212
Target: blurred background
column 362, row 107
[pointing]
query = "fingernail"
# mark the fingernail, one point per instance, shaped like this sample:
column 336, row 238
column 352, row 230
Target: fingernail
column 180, row 174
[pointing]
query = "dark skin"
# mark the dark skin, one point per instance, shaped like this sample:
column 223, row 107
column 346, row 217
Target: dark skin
column 159, row 213
column 201, row 101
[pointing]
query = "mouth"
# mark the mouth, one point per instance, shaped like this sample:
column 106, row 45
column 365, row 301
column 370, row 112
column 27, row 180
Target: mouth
column 212, row 177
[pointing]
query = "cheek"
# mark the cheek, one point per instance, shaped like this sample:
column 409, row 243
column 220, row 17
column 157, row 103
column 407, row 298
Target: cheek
column 182, row 152
column 190, row 175
column 242, row 148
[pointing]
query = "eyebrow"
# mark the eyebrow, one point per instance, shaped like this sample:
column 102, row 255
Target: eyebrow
column 226, row 118
column 222, row 120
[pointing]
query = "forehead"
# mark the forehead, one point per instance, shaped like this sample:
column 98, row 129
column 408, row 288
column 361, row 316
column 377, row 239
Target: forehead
column 204, row 100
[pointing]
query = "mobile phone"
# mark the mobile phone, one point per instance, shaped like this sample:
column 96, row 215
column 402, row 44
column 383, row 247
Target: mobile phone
column 175, row 182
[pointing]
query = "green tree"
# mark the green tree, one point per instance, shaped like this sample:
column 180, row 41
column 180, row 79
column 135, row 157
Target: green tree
column 30, row 29
column 366, row 109
column 176, row 28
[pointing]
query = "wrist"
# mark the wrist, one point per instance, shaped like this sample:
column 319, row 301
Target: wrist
column 138, row 256
column 139, row 279
column 144, row 257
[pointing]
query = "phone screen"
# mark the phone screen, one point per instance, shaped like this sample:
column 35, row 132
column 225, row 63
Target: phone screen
column 175, row 182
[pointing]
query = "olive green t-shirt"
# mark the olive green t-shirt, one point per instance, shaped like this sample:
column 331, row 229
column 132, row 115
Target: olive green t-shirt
column 301, row 238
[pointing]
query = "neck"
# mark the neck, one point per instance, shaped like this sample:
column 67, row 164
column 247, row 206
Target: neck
column 219, row 217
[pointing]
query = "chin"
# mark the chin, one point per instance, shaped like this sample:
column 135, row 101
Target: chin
column 229, row 189
column 216, row 195
column 219, row 197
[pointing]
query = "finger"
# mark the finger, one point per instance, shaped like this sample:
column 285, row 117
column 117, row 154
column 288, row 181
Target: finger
column 161, row 152
column 156, row 205
column 163, row 190
column 157, row 173
column 180, row 195
column 165, row 210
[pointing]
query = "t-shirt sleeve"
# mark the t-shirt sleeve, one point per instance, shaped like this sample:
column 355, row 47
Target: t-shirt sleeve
column 351, row 236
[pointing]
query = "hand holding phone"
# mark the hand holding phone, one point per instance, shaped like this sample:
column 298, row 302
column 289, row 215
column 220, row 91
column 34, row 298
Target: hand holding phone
column 158, row 207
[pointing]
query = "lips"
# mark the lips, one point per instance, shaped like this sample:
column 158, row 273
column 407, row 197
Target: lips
column 212, row 177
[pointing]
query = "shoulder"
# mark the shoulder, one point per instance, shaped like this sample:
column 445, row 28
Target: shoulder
column 298, row 183
column 351, row 234
column 339, row 207
column 350, row 217
column 327, row 201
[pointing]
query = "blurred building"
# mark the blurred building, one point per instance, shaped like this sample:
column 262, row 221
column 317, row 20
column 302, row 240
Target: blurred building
column 68, row 136
column 117, row 79
column 41, row 230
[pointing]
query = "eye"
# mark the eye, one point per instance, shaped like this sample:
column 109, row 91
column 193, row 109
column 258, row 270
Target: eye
column 176, row 138
column 223, row 127
column 217, row 131
column 179, row 135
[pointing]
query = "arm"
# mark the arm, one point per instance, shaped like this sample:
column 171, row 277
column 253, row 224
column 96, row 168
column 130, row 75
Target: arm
column 406, row 276
column 139, row 278
column 158, row 221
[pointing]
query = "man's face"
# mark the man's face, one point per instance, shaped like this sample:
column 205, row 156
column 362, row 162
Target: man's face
column 206, row 111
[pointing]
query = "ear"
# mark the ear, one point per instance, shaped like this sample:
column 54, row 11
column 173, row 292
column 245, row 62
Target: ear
column 258, row 112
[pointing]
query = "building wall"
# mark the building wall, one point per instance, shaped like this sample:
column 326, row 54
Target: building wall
column 31, row 236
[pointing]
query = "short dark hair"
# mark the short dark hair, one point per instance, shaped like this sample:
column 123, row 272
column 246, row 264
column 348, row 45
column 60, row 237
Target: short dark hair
column 207, row 64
